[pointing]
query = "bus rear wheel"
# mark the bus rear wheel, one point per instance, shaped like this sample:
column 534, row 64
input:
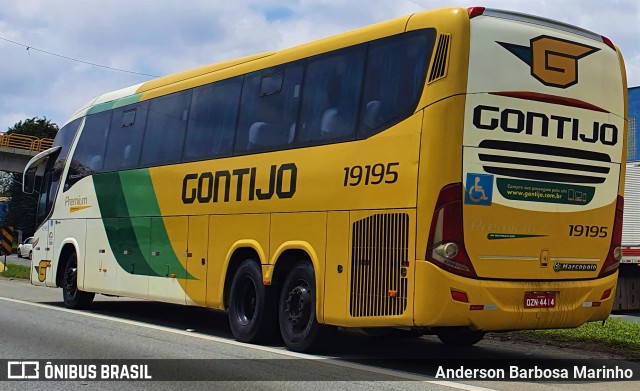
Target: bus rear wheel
column 462, row 338
column 73, row 297
column 299, row 327
column 252, row 305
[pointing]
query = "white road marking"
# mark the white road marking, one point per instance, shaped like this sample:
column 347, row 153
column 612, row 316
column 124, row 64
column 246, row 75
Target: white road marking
column 324, row 359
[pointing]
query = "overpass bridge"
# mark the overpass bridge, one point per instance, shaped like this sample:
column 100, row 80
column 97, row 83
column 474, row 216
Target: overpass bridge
column 17, row 149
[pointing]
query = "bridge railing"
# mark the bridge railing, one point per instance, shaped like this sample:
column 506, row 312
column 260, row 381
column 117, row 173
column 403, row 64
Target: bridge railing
column 23, row 141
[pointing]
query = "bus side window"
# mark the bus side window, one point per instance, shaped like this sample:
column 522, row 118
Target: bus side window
column 125, row 137
column 269, row 109
column 88, row 156
column 212, row 120
column 165, row 129
column 332, row 88
column 396, row 71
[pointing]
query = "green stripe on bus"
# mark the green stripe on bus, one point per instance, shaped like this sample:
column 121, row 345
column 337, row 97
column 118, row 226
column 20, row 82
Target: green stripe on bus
column 114, row 104
column 131, row 215
column 499, row 236
column 140, row 198
column 117, row 224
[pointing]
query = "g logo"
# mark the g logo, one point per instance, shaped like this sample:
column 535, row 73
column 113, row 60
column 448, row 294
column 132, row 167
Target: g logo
column 42, row 270
column 553, row 61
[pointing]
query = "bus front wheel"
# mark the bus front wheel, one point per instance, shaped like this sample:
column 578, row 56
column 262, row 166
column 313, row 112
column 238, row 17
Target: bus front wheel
column 73, row 297
column 299, row 327
column 252, row 305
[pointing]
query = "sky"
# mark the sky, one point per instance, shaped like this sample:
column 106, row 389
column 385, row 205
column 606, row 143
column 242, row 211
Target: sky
column 160, row 37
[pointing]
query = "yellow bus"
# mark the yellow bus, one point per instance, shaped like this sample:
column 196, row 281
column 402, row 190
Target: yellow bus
column 453, row 172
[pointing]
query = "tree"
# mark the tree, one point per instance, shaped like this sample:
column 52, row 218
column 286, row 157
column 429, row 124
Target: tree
column 5, row 182
column 39, row 127
column 21, row 210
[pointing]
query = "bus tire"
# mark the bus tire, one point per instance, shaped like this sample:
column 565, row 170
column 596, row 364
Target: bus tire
column 299, row 327
column 73, row 297
column 252, row 305
column 466, row 338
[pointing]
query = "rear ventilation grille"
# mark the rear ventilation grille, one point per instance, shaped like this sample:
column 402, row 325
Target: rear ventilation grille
column 380, row 256
column 441, row 59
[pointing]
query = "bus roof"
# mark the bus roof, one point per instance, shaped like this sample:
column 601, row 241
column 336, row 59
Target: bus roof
column 209, row 73
column 518, row 16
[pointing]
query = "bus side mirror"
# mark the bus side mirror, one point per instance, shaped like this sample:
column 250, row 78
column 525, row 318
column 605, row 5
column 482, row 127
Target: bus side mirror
column 32, row 168
column 29, row 180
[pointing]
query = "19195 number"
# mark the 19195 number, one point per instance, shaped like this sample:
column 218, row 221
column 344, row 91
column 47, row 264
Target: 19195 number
column 591, row 231
column 371, row 174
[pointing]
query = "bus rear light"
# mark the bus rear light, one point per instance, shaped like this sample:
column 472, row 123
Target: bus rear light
column 612, row 261
column 475, row 11
column 608, row 42
column 591, row 304
column 617, row 253
column 446, row 240
column 459, row 296
column 606, row 294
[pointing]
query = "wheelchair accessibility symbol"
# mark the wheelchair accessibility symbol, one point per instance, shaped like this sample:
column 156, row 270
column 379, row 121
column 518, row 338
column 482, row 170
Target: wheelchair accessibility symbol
column 479, row 189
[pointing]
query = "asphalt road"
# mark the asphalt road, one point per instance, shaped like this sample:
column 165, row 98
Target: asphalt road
column 196, row 343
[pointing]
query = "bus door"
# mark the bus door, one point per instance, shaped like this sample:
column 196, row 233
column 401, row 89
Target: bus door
column 196, row 262
column 168, row 259
column 40, row 167
column 50, row 232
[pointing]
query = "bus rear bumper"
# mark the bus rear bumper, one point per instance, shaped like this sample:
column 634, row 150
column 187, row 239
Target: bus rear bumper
column 500, row 305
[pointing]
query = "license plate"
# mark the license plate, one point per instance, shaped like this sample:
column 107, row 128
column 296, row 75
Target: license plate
column 539, row 299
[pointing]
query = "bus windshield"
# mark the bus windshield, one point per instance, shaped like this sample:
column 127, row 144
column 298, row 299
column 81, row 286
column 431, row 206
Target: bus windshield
column 53, row 171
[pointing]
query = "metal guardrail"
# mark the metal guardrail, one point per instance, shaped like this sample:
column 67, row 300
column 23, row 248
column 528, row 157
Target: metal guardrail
column 23, row 141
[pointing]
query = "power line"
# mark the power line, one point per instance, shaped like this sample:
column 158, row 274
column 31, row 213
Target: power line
column 75, row 59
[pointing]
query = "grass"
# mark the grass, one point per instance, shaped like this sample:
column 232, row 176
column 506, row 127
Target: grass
column 615, row 336
column 16, row 271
